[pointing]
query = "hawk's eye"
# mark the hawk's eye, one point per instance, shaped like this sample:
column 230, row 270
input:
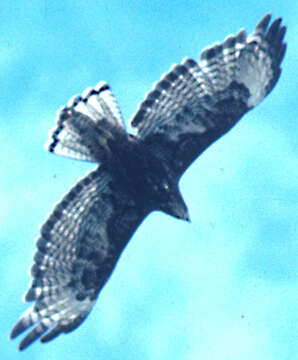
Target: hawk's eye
column 165, row 186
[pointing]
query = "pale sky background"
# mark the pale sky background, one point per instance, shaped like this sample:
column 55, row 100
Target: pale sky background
column 221, row 288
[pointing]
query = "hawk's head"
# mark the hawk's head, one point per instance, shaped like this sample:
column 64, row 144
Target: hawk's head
column 172, row 202
column 167, row 198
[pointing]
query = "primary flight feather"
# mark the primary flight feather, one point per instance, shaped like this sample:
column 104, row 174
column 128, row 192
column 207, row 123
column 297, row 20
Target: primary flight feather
column 187, row 110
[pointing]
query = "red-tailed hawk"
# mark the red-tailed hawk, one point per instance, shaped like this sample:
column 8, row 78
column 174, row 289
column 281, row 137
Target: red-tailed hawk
column 187, row 110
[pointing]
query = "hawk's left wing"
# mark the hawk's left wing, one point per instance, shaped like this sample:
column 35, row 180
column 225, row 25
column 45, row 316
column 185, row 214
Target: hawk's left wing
column 193, row 105
column 78, row 248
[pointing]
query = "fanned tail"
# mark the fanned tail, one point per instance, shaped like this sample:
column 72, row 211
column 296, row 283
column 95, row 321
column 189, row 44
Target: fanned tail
column 86, row 125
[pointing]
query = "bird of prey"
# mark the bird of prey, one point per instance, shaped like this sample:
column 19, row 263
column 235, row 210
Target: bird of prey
column 192, row 106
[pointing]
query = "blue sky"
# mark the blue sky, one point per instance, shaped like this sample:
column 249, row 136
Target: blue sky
column 223, row 287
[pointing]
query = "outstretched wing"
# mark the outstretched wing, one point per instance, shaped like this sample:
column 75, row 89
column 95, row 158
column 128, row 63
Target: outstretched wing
column 85, row 125
column 193, row 105
column 79, row 246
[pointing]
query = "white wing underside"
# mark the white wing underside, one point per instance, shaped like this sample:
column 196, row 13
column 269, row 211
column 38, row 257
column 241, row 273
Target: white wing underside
column 251, row 62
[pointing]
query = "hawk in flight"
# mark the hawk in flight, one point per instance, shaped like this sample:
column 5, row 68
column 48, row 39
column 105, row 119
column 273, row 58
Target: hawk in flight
column 188, row 109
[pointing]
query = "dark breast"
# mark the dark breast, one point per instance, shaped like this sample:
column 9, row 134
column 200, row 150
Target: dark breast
column 136, row 171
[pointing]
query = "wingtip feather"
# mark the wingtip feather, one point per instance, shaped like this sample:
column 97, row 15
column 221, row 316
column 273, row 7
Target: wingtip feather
column 273, row 30
column 263, row 23
column 16, row 330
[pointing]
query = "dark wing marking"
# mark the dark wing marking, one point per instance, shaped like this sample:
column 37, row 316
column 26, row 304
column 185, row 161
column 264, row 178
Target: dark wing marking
column 79, row 246
column 85, row 125
column 193, row 105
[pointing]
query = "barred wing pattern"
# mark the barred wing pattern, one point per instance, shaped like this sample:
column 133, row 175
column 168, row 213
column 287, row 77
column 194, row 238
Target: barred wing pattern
column 84, row 126
column 79, row 246
column 193, row 105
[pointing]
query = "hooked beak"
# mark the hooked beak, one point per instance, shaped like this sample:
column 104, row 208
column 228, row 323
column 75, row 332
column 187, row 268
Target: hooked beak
column 179, row 208
column 187, row 219
column 184, row 216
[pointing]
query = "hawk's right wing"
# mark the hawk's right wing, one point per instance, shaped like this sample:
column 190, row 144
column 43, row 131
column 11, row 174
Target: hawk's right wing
column 84, row 127
column 195, row 104
column 79, row 246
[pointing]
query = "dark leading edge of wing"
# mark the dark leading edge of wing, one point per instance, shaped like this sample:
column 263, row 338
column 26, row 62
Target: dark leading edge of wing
column 195, row 104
